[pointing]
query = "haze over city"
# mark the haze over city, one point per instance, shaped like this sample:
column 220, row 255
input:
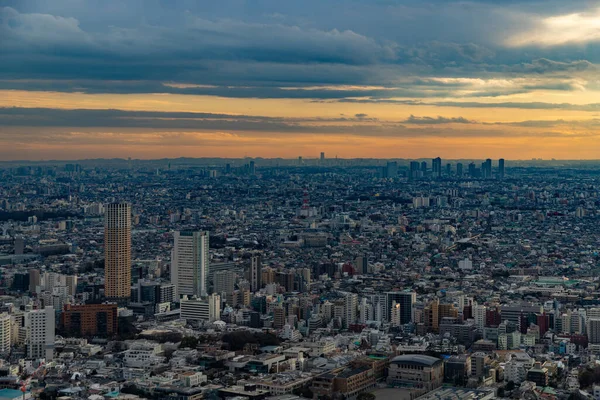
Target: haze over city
column 152, row 79
column 299, row 200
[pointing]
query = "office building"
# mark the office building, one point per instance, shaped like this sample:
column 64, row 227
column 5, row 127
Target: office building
column 486, row 169
column 459, row 170
column 391, row 169
column 117, row 251
column 278, row 317
column 35, row 280
column 479, row 314
column 432, row 316
column 350, row 309
column 593, row 330
column 501, row 168
column 406, row 300
column 415, row 170
column 201, row 310
column 362, row 265
column 224, row 282
column 40, row 333
column 436, row 166
column 189, row 263
column 457, row 370
column 90, row 319
column 5, row 333
column 256, row 272
column 512, row 313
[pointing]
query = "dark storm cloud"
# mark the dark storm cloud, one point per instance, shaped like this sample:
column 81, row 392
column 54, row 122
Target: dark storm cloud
column 85, row 118
column 256, row 50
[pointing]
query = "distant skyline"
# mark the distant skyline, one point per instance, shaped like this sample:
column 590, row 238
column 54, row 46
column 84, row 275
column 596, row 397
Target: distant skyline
column 516, row 79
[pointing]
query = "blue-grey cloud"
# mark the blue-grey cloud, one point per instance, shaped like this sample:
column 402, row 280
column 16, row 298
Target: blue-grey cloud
column 259, row 49
column 592, row 107
column 110, row 118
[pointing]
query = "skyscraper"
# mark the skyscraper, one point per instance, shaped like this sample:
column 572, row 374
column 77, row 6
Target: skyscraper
column 117, row 251
column 255, row 273
column 472, row 170
column 501, row 168
column 415, row 171
column 459, row 169
column 436, row 166
column 189, row 263
column 391, row 169
column 486, row 169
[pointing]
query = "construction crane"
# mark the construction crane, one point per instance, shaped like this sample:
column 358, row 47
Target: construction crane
column 26, row 383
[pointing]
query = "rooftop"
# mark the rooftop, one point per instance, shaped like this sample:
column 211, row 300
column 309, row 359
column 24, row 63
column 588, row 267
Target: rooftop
column 416, row 359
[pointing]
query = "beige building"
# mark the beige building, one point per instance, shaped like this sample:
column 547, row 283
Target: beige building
column 416, row 371
column 117, row 251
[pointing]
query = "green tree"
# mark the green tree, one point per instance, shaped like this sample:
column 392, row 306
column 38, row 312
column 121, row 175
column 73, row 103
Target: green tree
column 189, row 342
column 365, row 396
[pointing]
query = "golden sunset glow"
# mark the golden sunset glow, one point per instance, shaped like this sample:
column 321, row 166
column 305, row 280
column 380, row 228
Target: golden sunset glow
column 79, row 83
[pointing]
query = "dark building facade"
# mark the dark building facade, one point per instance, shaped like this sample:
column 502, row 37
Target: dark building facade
column 90, row 319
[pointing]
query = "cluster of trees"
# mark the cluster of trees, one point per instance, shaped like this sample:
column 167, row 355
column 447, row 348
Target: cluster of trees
column 237, row 340
column 189, row 342
column 126, row 329
column 589, row 376
column 164, row 337
column 303, row 391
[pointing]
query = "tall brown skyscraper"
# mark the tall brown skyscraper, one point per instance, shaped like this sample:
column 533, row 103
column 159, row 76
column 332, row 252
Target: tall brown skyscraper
column 117, row 251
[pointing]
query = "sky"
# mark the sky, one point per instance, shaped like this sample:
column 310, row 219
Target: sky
column 514, row 79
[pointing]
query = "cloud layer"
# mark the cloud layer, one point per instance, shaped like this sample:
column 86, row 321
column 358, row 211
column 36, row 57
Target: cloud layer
column 257, row 73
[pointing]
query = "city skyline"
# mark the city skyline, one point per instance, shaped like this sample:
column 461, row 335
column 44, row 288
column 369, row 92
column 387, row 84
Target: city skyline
column 390, row 79
column 300, row 200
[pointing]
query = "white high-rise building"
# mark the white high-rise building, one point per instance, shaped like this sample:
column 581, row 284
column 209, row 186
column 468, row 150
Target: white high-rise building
column 5, row 333
column 379, row 307
column 365, row 311
column 189, row 263
column 39, row 326
column 207, row 310
column 479, row 312
column 350, row 307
